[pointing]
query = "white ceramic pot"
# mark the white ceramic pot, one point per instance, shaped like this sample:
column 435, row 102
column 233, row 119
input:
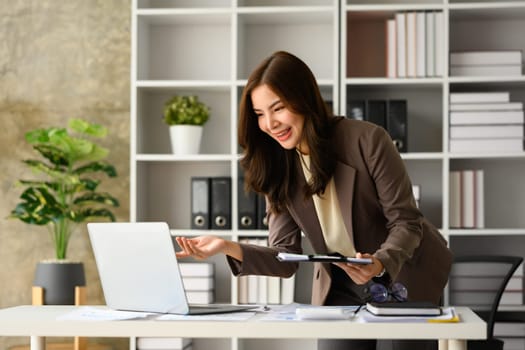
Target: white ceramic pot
column 185, row 139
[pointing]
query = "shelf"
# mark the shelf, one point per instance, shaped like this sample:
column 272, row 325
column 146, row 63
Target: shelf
column 486, row 232
column 184, row 158
column 520, row 155
column 209, row 48
column 436, row 82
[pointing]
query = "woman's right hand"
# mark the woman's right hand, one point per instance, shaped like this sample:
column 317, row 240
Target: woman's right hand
column 203, row 247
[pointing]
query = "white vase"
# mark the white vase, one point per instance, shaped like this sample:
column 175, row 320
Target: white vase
column 185, row 139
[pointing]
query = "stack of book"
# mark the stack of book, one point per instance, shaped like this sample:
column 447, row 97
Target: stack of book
column 414, row 45
column 512, row 334
column 482, row 122
column 474, row 285
column 466, row 192
column 486, row 63
column 157, row 343
column 264, row 289
column 198, row 281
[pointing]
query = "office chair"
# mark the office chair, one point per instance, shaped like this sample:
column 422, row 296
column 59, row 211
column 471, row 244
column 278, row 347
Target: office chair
column 500, row 269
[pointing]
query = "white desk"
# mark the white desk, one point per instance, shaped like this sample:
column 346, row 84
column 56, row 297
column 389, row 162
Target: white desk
column 41, row 321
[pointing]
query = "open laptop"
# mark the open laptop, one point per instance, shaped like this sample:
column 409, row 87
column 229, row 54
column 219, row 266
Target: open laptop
column 139, row 270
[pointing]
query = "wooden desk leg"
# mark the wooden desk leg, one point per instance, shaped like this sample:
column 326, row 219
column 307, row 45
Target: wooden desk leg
column 457, row 344
column 37, row 343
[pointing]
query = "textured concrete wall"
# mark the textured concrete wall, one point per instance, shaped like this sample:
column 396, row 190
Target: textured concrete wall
column 58, row 59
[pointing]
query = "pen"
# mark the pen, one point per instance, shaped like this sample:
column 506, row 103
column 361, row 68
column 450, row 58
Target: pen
column 358, row 309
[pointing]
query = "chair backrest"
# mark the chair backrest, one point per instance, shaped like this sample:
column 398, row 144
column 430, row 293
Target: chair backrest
column 479, row 282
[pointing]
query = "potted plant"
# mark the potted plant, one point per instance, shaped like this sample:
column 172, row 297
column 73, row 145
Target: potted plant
column 186, row 116
column 64, row 196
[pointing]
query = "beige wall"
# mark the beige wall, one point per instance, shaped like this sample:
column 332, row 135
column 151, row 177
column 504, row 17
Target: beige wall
column 58, row 59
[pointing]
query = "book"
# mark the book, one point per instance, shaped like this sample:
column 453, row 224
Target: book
column 411, row 42
column 476, row 97
column 485, row 298
column 288, row 290
column 430, row 42
column 420, row 44
column 472, row 283
column 439, row 44
column 391, row 49
column 486, row 145
column 506, row 106
column 407, row 308
column 479, row 199
column 496, row 57
column 196, row 269
column 486, row 117
column 486, row 70
column 200, row 297
column 483, row 269
column 510, row 329
column 401, row 44
column 467, row 199
column 274, row 290
column 455, row 199
column 198, row 283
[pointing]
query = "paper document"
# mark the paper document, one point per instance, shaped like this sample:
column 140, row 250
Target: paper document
column 289, row 257
column 89, row 313
column 301, row 312
column 230, row 316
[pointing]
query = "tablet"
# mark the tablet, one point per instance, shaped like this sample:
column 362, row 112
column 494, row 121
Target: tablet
column 290, row 257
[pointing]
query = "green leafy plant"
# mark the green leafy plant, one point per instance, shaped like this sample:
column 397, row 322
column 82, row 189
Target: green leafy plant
column 65, row 195
column 186, row 110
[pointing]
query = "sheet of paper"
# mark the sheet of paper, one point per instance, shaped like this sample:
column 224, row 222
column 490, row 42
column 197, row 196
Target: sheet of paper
column 231, row 316
column 88, row 313
column 289, row 312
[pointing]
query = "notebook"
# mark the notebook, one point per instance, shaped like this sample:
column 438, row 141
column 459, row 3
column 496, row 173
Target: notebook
column 139, row 270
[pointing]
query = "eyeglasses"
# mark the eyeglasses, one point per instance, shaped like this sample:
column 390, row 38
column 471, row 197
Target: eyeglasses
column 380, row 293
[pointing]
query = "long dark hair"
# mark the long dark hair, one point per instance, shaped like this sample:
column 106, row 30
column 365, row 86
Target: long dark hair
column 268, row 167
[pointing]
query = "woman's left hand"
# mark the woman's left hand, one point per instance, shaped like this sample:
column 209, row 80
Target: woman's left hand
column 361, row 274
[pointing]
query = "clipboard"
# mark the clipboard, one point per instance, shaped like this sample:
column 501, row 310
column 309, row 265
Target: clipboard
column 290, row 257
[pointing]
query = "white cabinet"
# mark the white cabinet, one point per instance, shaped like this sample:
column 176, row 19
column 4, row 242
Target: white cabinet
column 209, row 47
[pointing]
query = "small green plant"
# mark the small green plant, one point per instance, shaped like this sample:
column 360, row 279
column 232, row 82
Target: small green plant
column 186, row 110
column 65, row 195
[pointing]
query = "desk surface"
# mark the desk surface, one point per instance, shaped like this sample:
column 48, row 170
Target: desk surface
column 42, row 321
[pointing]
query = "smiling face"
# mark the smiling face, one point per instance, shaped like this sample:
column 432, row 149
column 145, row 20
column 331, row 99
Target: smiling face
column 276, row 120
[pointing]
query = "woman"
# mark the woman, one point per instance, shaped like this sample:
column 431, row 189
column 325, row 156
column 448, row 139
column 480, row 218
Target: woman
column 341, row 182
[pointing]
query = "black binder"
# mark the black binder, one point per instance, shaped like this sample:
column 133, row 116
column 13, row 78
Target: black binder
column 397, row 123
column 221, row 203
column 262, row 221
column 200, row 203
column 376, row 112
column 246, row 207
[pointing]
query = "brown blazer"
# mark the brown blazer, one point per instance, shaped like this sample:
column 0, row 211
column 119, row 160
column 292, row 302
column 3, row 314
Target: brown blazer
column 378, row 209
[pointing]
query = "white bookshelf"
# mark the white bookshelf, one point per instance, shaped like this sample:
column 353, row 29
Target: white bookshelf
column 209, row 47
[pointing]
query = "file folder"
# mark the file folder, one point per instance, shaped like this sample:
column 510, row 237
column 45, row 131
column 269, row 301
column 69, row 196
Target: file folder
column 397, row 123
column 246, row 207
column 200, row 203
column 221, row 203
column 262, row 220
column 376, row 112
